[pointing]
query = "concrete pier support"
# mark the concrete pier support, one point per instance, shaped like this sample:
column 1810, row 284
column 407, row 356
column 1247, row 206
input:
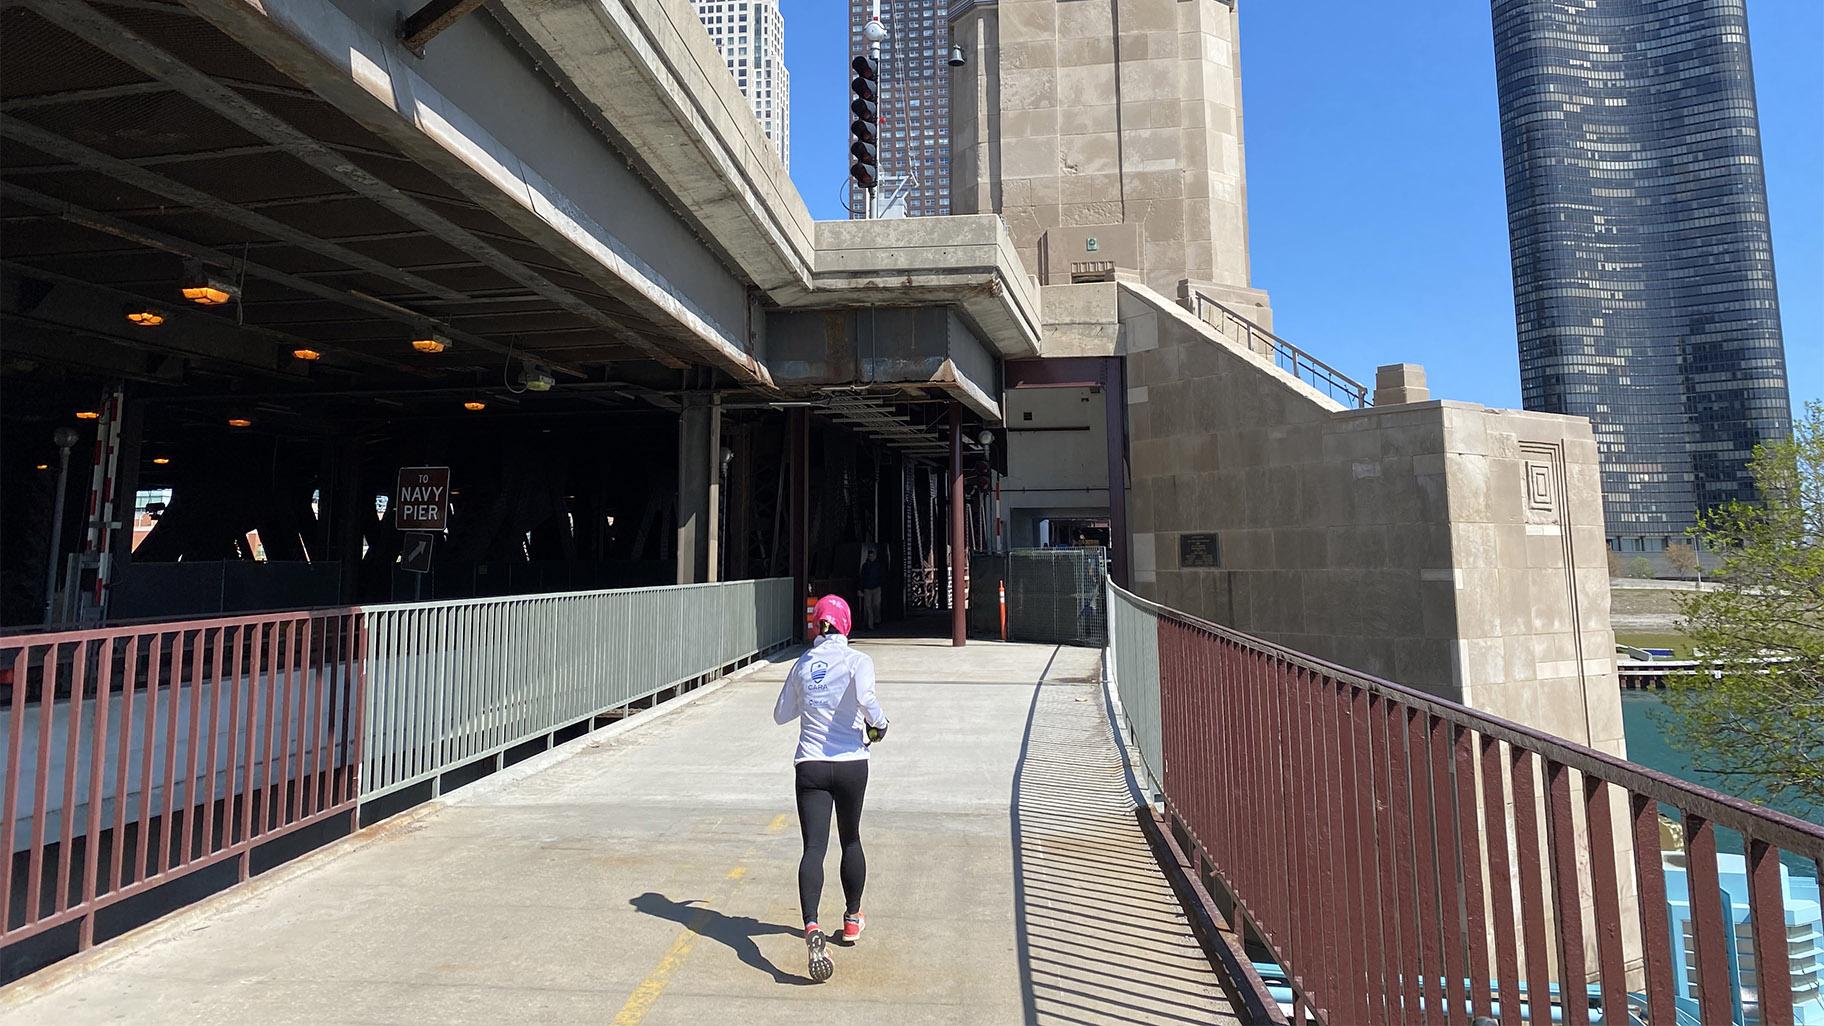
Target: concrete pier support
column 798, row 506
column 1114, row 398
column 959, row 539
column 712, row 562
column 343, row 502
column 699, row 442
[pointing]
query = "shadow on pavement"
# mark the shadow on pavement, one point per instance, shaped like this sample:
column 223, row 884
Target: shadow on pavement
column 738, row 933
column 1101, row 937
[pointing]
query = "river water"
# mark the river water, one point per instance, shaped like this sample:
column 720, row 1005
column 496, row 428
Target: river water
column 1644, row 721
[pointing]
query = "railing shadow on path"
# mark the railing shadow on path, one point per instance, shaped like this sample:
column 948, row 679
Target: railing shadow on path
column 1100, row 935
column 739, row 934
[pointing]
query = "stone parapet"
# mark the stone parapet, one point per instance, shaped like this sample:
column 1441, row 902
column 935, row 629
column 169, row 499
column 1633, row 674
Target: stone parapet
column 1396, row 384
column 1444, row 545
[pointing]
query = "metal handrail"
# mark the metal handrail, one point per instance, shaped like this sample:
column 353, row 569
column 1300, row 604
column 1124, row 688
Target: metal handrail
column 1290, row 358
column 452, row 683
column 1279, row 766
column 220, row 735
column 1790, row 832
column 217, row 736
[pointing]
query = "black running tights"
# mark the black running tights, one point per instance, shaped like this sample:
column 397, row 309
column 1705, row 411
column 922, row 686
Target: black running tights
column 823, row 786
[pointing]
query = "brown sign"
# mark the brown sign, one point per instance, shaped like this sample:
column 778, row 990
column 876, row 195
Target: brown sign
column 1198, row 550
column 422, row 501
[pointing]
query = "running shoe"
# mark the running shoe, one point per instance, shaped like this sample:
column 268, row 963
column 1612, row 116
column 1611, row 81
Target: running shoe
column 821, row 966
column 852, row 927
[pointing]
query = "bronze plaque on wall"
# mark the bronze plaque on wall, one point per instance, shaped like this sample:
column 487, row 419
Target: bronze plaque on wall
column 1198, row 550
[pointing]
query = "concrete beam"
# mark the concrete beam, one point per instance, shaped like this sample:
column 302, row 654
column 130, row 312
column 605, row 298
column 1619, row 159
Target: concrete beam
column 963, row 261
column 428, row 21
column 58, row 302
column 122, row 43
column 53, row 343
column 648, row 74
column 896, row 349
column 360, row 68
column 699, row 435
column 151, row 238
column 196, row 199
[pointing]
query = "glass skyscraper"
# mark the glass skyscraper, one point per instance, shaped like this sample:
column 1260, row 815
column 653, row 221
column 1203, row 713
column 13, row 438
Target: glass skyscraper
column 1643, row 263
column 914, row 105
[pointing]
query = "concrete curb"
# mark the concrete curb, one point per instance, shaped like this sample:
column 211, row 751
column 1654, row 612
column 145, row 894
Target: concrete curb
column 193, row 917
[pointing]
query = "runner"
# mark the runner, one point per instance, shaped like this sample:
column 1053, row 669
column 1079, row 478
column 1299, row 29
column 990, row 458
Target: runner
column 830, row 692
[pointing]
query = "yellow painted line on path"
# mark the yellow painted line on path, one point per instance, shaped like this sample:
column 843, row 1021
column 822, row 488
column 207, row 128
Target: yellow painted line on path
column 647, row 994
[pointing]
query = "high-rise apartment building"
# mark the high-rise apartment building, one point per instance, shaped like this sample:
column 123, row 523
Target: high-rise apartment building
column 751, row 36
column 1643, row 263
column 914, row 104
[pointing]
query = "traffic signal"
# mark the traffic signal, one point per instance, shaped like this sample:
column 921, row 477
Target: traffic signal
column 865, row 128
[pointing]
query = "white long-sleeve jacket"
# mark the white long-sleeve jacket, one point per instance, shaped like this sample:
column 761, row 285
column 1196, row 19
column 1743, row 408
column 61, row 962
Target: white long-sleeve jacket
column 830, row 691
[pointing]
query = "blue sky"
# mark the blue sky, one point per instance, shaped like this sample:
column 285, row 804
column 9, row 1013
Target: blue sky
column 1376, row 206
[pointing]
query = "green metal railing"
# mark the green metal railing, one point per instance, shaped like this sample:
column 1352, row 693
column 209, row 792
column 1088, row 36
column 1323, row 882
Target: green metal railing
column 451, row 683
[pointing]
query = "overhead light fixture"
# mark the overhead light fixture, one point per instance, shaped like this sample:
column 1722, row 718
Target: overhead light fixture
column 161, row 460
column 431, row 344
column 44, row 466
column 957, row 59
column 474, row 406
column 212, row 294
column 306, row 354
column 239, row 422
column 207, row 287
column 87, row 415
column 145, row 318
column 535, row 378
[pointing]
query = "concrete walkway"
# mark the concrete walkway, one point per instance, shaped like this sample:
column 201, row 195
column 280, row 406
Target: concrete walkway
column 650, row 878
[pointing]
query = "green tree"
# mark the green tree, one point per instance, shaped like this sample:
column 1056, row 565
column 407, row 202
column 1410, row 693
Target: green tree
column 1757, row 721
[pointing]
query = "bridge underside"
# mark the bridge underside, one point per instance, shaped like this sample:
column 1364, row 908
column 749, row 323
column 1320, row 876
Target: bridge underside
column 353, row 202
column 141, row 138
column 650, row 877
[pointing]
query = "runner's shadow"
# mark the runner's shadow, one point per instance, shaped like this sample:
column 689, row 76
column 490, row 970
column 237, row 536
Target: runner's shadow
column 739, row 933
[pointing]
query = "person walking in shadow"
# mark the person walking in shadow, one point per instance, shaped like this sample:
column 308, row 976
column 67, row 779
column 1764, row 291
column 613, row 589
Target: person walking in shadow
column 830, row 692
column 871, row 579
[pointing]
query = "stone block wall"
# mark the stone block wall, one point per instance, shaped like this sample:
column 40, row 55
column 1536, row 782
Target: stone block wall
column 1443, row 545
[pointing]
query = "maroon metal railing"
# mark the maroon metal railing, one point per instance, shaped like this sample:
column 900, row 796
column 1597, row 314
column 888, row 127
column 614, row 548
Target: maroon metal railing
column 1409, row 860
column 136, row 755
